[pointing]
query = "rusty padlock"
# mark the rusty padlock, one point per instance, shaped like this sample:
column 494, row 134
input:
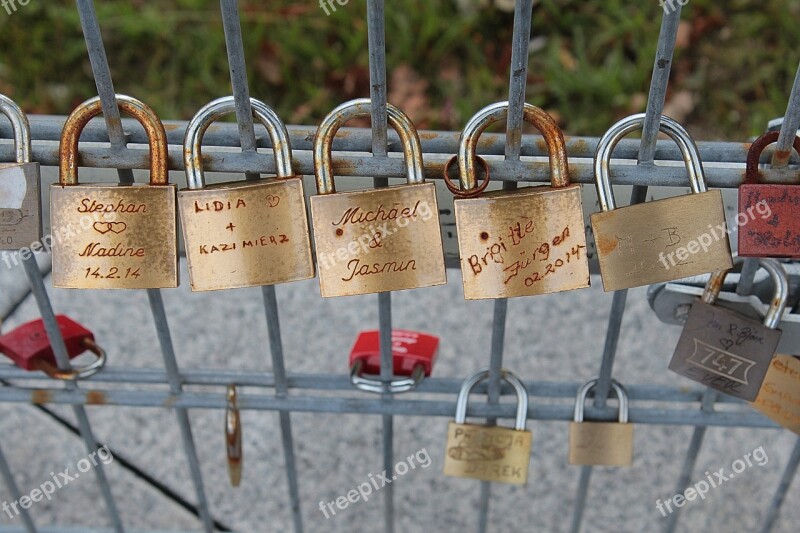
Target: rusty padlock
column 246, row 233
column 109, row 235
column 30, row 349
column 20, row 190
column 768, row 222
column 524, row 242
column 601, row 443
column 413, row 357
column 375, row 240
column 727, row 351
column 489, row 453
column 663, row 240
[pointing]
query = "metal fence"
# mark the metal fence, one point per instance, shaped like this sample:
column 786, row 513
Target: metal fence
column 284, row 392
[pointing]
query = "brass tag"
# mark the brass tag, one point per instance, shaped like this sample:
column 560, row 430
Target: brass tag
column 662, row 241
column 20, row 206
column 779, row 397
column 497, row 454
column 523, row 243
column 600, row 443
column 246, row 234
column 114, row 236
column 378, row 240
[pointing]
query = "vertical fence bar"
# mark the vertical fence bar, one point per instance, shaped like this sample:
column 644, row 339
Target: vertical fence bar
column 791, row 123
column 105, row 88
column 62, row 360
column 376, row 34
column 244, row 118
column 13, row 488
column 783, row 487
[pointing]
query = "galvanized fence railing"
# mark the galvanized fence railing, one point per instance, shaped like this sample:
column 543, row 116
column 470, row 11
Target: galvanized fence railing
column 675, row 406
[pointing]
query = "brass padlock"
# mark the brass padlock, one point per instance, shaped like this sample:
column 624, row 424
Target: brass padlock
column 109, row 235
column 375, row 240
column 246, row 233
column 727, row 351
column 20, row 191
column 524, row 242
column 663, row 240
column 489, row 453
column 601, row 443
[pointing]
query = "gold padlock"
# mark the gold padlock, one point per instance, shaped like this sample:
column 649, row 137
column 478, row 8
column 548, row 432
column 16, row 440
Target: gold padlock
column 375, row 240
column 663, row 240
column 524, row 242
column 109, row 235
column 601, row 443
column 247, row 233
column 20, row 190
column 489, row 453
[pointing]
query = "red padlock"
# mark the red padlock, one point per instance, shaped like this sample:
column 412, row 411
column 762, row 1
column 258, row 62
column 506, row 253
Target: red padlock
column 413, row 356
column 29, row 347
column 768, row 221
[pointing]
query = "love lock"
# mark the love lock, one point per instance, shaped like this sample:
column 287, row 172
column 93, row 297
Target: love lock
column 413, row 355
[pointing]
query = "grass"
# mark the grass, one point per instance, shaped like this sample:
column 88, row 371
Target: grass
column 590, row 62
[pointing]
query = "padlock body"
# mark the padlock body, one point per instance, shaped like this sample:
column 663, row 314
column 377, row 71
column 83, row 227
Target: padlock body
column 20, row 206
column 409, row 349
column 378, row 240
column 114, row 236
column 28, row 344
column 522, row 243
column 724, row 350
column 600, row 444
column 779, row 396
column 769, row 225
column 246, row 234
column 662, row 241
column 496, row 454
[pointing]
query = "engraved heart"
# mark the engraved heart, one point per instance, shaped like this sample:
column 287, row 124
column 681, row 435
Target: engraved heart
column 273, row 200
column 101, row 227
column 117, row 227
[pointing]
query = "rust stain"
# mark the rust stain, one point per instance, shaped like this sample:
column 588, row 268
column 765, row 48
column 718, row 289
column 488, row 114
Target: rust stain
column 541, row 144
column 580, row 145
column 95, row 397
column 170, row 401
column 428, row 135
column 606, row 243
column 172, row 127
column 41, row 396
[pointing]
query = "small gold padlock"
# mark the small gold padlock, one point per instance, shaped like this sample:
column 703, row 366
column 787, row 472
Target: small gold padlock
column 375, row 240
column 663, row 240
column 20, row 190
column 489, row 453
column 601, row 443
column 109, row 235
column 524, row 242
column 247, row 233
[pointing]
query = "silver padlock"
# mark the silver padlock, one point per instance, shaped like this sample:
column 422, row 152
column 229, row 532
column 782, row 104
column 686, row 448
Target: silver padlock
column 20, row 192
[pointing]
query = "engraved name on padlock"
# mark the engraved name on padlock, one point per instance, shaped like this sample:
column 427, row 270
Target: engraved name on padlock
column 489, row 453
column 246, row 233
column 769, row 225
column 109, row 235
column 524, row 242
column 601, row 443
column 663, row 240
column 727, row 351
column 375, row 240
column 20, row 189
column 779, row 397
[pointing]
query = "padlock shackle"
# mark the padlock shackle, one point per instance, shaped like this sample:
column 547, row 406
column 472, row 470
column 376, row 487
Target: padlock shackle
column 21, row 128
column 775, row 313
column 233, row 436
column 753, row 175
column 669, row 126
column 553, row 138
column 378, row 386
column 323, row 141
column 583, row 392
column 483, row 375
column 91, row 108
column 213, row 111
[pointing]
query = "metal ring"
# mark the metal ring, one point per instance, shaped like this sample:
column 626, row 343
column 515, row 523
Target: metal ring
column 74, row 374
column 456, row 189
column 233, row 437
column 381, row 387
